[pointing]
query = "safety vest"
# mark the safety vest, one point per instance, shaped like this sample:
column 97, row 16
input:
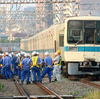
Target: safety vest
column 59, row 63
column 34, row 61
column 1, row 65
column 20, row 60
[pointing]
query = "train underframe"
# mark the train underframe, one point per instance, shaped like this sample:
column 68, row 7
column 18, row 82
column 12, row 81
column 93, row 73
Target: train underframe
column 91, row 68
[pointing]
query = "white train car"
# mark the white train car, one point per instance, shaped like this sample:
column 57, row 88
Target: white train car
column 51, row 40
column 82, row 45
column 78, row 39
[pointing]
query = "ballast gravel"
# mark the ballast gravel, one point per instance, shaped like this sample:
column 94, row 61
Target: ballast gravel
column 9, row 88
column 68, row 87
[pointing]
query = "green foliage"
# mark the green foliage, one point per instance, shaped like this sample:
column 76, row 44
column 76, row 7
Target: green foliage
column 4, row 40
column 17, row 40
column 93, row 95
column 1, row 86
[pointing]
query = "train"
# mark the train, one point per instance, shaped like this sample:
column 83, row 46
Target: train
column 78, row 39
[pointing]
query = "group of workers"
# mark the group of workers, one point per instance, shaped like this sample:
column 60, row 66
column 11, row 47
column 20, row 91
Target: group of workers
column 28, row 66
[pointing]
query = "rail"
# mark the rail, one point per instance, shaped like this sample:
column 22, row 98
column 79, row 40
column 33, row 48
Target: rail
column 20, row 89
column 48, row 90
column 90, row 83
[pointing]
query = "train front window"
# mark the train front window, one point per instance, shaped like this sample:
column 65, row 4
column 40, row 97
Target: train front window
column 89, row 36
column 75, row 31
column 98, row 32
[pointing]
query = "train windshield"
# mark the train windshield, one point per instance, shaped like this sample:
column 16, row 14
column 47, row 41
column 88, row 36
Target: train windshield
column 87, row 32
column 98, row 33
column 75, row 31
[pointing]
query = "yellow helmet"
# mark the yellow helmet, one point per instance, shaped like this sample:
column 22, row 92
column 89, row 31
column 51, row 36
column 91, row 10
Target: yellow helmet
column 59, row 52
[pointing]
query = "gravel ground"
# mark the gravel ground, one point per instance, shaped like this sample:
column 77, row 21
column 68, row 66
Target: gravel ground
column 33, row 89
column 65, row 87
column 9, row 88
column 68, row 87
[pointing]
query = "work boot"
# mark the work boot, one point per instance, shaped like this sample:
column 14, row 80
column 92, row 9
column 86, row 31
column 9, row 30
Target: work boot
column 49, row 80
column 40, row 81
column 29, row 82
column 34, row 82
column 26, row 83
column 22, row 83
column 54, row 80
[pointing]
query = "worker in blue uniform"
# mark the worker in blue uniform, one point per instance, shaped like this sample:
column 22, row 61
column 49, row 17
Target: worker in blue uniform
column 14, row 64
column 36, row 67
column 25, row 67
column 1, row 62
column 48, row 62
column 19, row 60
column 7, row 66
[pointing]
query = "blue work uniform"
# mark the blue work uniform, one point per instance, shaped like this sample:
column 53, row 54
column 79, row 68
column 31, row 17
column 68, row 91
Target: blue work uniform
column 1, row 64
column 36, row 68
column 7, row 68
column 48, row 70
column 14, row 64
column 26, row 69
column 19, row 60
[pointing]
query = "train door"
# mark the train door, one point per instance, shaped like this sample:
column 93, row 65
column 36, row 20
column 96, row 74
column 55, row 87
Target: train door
column 89, row 46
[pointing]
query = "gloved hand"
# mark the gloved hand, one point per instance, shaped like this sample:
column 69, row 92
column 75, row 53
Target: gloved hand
column 16, row 67
column 49, row 66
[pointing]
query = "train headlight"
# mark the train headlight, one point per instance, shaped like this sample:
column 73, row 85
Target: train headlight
column 98, row 63
column 72, row 48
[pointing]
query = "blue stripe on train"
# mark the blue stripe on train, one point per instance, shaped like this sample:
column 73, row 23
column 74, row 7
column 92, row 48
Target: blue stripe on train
column 40, row 51
column 83, row 48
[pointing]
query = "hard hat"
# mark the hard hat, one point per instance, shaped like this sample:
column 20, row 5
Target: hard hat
column 29, row 55
column 34, row 53
column 22, row 53
column 59, row 52
column 0, row 54
column 56, row 53
column 46, row 53
column 26, row 54
column 7, row 53
column 12, row 53
column 16, row 55
column 37, row 53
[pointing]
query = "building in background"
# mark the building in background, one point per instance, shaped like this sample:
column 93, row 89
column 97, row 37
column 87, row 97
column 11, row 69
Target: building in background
column 44, row 18
column 76, row 8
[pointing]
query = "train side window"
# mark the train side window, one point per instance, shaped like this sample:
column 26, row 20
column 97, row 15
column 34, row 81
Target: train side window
column 61, row 40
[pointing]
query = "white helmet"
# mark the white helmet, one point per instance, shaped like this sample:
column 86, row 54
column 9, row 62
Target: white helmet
column 46, row 53
column 37, row 53
column 56, row 53
column 22, row 53
column 0, row 54
column 34, row 53
column 7, row 53
column 29, row 55
column 12, row 53
column 26, row 54
column 18, row 54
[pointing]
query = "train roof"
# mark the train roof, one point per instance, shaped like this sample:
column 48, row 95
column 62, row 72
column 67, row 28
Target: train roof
column 83, row 18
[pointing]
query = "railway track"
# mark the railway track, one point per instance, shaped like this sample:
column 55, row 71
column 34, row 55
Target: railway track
column 27, row 92
column 20, row 89
column 90, row 83
column 50, row 93
column 85, row 81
